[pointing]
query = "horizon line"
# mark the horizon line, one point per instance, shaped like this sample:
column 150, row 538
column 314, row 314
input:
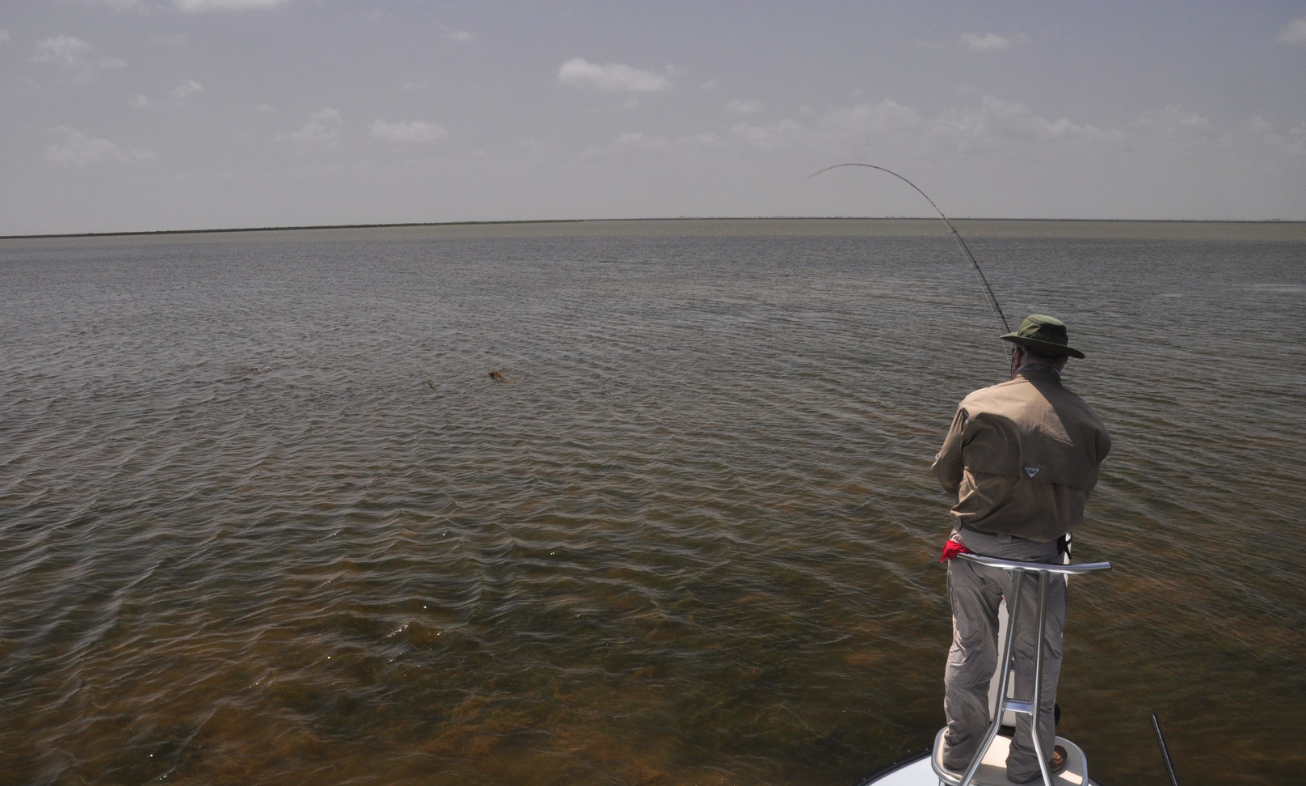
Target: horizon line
column 305, row 227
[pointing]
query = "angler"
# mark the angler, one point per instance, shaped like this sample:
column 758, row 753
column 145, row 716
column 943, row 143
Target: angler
column 1022, row 458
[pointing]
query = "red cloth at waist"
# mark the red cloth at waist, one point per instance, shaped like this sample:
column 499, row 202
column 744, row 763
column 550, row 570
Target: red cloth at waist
column 951, row 549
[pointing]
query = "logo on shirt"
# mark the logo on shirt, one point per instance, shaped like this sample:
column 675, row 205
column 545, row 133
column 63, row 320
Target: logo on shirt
column 1031, row 471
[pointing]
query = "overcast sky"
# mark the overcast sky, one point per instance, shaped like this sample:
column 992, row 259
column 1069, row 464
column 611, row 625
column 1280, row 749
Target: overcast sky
column 123, row 115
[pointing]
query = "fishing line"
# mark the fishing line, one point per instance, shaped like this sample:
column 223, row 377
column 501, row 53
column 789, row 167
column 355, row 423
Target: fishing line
column 988, row 290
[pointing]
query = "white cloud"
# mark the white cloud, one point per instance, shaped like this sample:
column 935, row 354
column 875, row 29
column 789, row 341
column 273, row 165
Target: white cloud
column 120, row 5
column 197, row 6
column 266, row 108
column 65, row 49
column 77, row 150
column 1007, row 128
column 4, row 35
column 140, row 102
column 1259, row 130
column 783, row 134
column 188, row 88
column 638, row 139
column 639, row 144
column 885, row 116
column 410, row 131
column 580, row 73
column 461, row 36
column 1259, row 125
column 750, row 107
column 1293, row 33
column 1015, row 128
column 321, row 131
column 73, row 52
column 169, row 39
column 1298, row 144
column 1176, row 123
column 989, row 42
column 1178, row 132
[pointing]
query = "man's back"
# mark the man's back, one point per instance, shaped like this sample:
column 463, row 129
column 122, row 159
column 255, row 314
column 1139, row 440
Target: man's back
column 1022, row 457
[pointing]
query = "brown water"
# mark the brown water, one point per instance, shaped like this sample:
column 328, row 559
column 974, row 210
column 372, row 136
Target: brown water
column 264, row 517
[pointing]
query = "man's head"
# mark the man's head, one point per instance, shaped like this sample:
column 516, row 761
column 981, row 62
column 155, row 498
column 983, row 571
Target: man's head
column 1023, row 356
column 1043, row 340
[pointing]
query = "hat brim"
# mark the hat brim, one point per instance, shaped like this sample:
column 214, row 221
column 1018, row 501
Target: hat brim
column 1043, row 347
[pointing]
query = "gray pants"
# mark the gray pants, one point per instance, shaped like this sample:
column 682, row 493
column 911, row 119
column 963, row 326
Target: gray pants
column 974, row 592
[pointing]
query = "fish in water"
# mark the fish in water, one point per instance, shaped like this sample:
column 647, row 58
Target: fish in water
column 431, row 385
column 500, row 378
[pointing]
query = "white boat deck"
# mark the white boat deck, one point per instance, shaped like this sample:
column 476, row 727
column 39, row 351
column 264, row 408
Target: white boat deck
column 992, row 771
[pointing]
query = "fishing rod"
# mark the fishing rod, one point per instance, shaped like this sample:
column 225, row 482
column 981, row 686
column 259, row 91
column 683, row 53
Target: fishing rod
column 1165, row 751
column 988, row 290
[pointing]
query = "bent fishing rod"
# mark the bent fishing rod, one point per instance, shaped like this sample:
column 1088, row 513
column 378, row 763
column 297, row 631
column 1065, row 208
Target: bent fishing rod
column 988, row 290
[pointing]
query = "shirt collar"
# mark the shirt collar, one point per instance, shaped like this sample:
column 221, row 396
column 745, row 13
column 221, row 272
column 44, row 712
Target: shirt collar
column 1035, row 367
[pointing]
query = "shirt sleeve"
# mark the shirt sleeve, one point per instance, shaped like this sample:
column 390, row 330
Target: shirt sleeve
column 948, row 466
column 1103, row 445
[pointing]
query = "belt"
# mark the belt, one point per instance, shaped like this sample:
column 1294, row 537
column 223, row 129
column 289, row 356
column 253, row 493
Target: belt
column 1063, row 542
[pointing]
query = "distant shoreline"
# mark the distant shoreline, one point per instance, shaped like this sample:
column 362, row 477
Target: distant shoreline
column 929, row 219
column 152, row 232
column 1067, row 228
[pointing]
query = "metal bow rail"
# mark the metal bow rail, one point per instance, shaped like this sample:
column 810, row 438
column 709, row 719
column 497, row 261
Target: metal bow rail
column 1017, row 571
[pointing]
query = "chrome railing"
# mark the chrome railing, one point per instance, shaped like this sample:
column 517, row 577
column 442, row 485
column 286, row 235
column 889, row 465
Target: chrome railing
column 1017, row 570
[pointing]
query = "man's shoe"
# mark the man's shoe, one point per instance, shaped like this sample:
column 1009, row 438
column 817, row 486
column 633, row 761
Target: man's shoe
column 1059, row 760
column 1058, row 763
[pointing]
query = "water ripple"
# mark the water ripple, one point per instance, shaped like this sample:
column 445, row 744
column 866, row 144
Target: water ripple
column 267, row 519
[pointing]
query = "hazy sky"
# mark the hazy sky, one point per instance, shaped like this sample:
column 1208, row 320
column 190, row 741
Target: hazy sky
column 126, row 115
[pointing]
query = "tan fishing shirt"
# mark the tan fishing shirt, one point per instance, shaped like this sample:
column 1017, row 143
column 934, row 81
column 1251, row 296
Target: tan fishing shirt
column 1022, row 457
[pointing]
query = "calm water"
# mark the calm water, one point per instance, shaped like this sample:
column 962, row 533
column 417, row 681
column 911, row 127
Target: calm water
column 265, row 518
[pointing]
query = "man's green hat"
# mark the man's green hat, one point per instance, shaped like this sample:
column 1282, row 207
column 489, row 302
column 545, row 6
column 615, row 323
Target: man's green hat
column 1044, row 335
